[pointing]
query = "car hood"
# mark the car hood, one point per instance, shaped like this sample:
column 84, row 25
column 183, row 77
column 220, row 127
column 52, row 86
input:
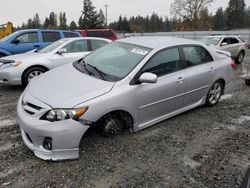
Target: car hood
column 66, row 87
column 26, row 56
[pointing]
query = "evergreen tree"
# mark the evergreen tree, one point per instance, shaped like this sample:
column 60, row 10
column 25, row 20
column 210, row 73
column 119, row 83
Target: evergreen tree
column 219, row 20
column 89, row 18
column 235, row 14
column 125, row 25
column 101, row 20
column 205, row 20
column 46, row 23
column 30, row 24
column 52, row 21
column 73, row 25
column 37, row 21
column 247, row 17
column 62, row 20
column 120, row 24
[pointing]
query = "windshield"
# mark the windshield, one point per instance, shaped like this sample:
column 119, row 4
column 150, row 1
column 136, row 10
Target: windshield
column 52, row 46
column 9, row 36
column 117, row 59
column 211, row 41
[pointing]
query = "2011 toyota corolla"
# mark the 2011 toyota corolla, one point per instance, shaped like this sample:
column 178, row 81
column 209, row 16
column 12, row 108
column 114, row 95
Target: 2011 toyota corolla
column 129, row 84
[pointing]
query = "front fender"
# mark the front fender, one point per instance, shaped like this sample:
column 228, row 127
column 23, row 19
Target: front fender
column 4, row 52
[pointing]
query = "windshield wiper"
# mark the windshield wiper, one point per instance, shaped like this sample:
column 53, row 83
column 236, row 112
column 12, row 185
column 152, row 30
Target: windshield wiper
column 102, row 74
column 84, row 65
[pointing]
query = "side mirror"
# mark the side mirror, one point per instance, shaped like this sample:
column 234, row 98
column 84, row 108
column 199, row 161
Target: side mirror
column 16, row 41
column 62, row 51
column 224, row 44
column 148, row 78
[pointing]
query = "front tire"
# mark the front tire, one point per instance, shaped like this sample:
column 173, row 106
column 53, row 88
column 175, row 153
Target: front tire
column 247, row 82
column 32, row 73
column 240, row 57
column 214, row 94
column 111, row 126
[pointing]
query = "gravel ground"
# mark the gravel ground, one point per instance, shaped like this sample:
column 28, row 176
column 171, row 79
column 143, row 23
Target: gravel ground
column 205, row 147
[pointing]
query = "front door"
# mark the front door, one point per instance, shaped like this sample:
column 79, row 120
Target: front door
column 26, row 42
column 166, row 96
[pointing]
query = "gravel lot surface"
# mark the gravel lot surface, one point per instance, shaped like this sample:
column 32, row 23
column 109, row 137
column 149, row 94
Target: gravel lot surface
column 205, row 147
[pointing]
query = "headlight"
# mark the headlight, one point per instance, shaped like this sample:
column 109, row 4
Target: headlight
column 63, row 114
column 12, row 64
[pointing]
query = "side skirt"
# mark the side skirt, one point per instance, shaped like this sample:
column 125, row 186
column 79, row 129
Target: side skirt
column 138, row 127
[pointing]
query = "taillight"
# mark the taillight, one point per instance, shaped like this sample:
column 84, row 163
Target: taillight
column 233, row 65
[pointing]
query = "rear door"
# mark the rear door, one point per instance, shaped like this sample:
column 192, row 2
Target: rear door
column 50, row 36
column 235, row 45
column 27, row 42
column 199, row 73
column 75, row 50
column 166, row 96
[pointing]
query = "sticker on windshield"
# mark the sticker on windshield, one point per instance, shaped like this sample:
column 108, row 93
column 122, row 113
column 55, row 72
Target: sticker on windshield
column 139, row 51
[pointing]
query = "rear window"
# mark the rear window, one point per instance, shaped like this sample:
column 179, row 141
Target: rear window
column 109, row 33
column 95, row 34
column 70, row 34
column 50, row 36
column 234, row 41
column 242, row 39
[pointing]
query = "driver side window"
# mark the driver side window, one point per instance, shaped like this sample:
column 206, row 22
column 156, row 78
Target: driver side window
column 28, row 38
column 165, row 62
column 226, row 40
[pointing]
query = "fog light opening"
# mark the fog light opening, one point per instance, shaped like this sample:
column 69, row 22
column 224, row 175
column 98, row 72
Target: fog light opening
column 47, row 143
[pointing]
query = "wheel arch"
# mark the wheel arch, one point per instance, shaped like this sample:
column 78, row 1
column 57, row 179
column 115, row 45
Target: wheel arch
column 222, row 80
column 33, row 66
column 121, row 113
column 4, row 52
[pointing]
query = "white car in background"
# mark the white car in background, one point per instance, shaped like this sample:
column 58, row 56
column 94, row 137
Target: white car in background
column 20, row 69
column 233, row 44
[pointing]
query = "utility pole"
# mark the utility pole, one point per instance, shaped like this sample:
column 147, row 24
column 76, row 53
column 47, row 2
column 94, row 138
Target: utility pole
column 106, row 14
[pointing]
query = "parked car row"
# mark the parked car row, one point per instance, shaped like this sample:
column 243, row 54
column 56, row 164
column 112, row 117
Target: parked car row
column 21, row 68
column 131, row 83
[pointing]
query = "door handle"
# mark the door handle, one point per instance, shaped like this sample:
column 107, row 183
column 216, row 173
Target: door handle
column 212, row 70
column 180, row 80
column 37, row 46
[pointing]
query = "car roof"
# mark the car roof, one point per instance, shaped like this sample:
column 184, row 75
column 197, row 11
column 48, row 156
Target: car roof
column 25, row 30
column 158, row 41
column 220, row 36
column 86, row 38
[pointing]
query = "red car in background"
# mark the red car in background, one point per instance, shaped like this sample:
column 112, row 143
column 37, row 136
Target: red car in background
column 103, row 33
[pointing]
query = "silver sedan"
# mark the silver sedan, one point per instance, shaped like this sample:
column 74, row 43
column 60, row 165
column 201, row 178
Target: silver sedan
column 21, row 68
column 131, row 84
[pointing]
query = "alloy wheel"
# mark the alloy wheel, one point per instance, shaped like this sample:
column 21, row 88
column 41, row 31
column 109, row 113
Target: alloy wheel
column 215, row 93
column 34, row 74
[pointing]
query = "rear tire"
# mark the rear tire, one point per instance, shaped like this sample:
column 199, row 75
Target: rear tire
column 32, row 73
column 214, row 94
column 111, row 126
column 240, row 57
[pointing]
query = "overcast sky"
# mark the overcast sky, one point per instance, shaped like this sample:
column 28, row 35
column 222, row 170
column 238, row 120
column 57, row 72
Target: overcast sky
column 18, row 11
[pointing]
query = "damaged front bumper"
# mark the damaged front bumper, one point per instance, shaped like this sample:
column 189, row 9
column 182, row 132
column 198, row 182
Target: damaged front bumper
column 64, row 136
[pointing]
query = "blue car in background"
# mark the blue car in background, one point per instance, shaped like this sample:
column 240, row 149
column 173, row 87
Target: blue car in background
column 27, row 40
